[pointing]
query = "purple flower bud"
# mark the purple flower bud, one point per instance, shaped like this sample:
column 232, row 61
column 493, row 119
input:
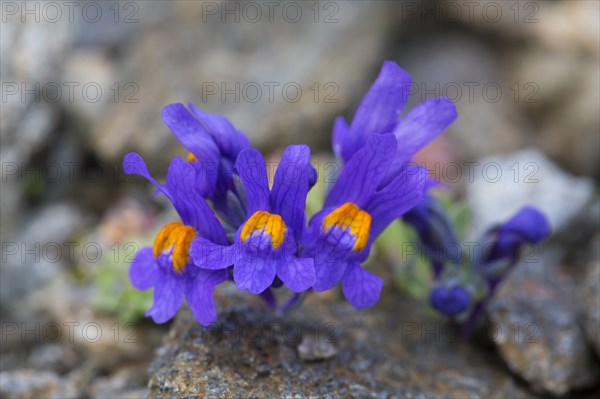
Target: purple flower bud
column 450, row 300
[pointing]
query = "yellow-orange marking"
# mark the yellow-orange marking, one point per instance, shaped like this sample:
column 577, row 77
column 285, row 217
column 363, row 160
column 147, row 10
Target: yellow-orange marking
column 191, row 157
column 349, row 216
column 271, row 223
column 177, row 237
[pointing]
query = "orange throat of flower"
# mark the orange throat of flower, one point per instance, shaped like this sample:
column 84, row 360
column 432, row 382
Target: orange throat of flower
column 176, row 238
column 191, row 157
column 350, row 218
column 272, row 224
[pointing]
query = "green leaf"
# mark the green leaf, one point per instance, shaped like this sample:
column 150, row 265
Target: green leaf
column 114, row 293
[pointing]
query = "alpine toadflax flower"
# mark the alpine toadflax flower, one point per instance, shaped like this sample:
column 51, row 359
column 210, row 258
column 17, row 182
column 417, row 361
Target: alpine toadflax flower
column 379, row 113
column 213, row 144
column 502, row 243
column 266, row 244
column 465, row 283
column 355, row 213
column 167, row 265
column 234, row 226
column 450, row 301
column 435, row 232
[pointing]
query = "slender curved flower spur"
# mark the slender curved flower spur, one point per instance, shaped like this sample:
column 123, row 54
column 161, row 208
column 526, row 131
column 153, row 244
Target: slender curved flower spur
column 166, row 265
column 266, row 244
column 357, row 210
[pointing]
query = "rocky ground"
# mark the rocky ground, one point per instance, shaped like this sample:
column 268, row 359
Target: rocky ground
column 542, row 132
column 325, row 349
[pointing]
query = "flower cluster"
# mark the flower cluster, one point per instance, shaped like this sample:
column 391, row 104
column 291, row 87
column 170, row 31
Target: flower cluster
column 235, row 226
column 463, row 284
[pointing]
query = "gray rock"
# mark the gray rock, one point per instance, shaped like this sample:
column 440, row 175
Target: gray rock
column 502, row 185
column 53, row 357
column 590, row 297
column 558, row 25
column 24, row 384
column 312, row 350
column 208, row 50
column 561, row 97
column 567, row 25
column 382, row 352
column 127, row 382
column 468, row 72
column 88, row 66
column 535, row 317
column 30, row 64
column 37, row 253
column 29, row 67
column 569, row 132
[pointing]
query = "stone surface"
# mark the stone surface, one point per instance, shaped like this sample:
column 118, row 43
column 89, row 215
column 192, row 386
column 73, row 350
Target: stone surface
column 127, row 382
column 27, row 121
column 84, row 381
column 211, row 53
column 36, row 255
column 25, row 384
column 538, row 333
column 559, row 92
column 590, row 296
column 570, row 133
column 567, row 25
column 466, row 70
column 559, row 25
column 502, row 185
column 384, row 352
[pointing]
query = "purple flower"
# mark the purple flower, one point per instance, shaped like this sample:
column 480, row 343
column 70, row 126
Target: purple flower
column 379, row 112
column 166, row 265
column 355, row 213
column 528, row 226
column 450, row 300
column 500, row 245
column 214, row 144
column 435, row 231
column 265, row 245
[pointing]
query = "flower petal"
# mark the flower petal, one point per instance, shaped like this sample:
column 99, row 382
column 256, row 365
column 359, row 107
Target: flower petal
column 191, row 207
column 133, row 164
column 290, row 187
column 208, row 255
column 339, row 136
column 379, row 109
column 398, row 197
column 418, row 128
column 435, row 230
column 363, row 173
column 180, row 190
column 250, row 166
column 253, row 273
column 168, row 296
column 229, row 140
column 194, row 136
column 144, row 271
column 529, row 223
column 527, row 226
column 361, row 288
column 298, row 274
column 328, row 273
column 450, row 300
column 199, row 294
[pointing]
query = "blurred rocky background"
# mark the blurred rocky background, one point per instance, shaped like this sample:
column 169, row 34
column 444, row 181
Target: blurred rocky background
column 84, row 82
